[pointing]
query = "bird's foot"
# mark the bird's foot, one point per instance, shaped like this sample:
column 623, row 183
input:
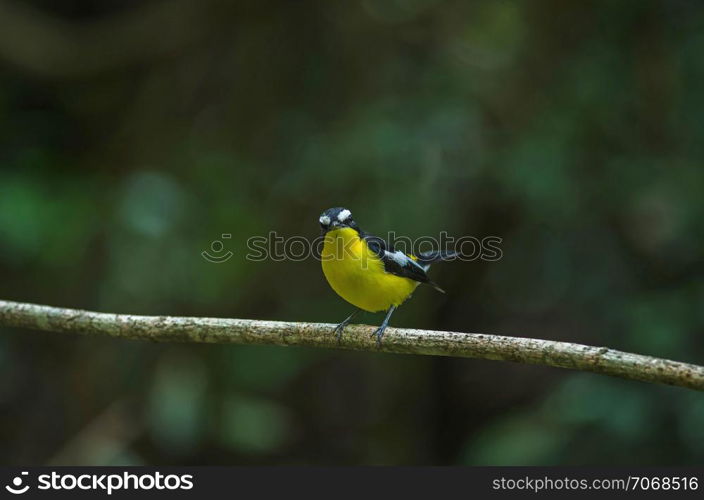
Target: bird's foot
column 339, row 328
column 338, row 331
column 379, row 334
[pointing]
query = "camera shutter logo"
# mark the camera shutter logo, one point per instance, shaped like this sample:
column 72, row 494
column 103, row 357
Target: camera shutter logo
column 217, row 247
column 16, row 487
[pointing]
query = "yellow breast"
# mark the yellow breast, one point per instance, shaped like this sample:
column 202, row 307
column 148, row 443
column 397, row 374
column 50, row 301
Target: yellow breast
column 357, row 274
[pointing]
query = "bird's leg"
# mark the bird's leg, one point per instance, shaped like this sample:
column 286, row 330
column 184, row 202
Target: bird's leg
column 341, row 326
column 379, row 332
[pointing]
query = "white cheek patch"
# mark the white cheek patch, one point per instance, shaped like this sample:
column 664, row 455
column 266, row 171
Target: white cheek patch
column 324, row 220
column 344, row 215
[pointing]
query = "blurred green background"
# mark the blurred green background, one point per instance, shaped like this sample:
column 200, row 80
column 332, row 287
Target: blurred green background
column 135, row 133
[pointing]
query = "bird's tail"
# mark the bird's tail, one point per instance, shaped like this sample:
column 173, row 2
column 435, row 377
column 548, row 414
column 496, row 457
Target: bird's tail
column 435, row 285
column 432, row 256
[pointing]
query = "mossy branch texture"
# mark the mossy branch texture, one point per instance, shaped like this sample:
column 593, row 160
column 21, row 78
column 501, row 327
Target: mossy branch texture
column 357, row 337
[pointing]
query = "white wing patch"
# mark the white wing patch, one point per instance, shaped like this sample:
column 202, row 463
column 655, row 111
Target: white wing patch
column 404, row 260
column 344, row 215
column 324, row 220
column 398, row 256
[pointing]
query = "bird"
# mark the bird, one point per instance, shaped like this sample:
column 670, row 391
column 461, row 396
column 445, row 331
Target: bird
column 367, row 271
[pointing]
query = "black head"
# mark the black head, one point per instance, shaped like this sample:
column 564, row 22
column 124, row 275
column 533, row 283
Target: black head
column 336, row 218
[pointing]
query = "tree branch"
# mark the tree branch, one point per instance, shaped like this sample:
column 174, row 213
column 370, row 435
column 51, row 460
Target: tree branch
column 397, row 340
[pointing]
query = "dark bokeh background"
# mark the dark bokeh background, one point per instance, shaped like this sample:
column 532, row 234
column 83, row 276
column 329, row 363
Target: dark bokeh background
column 133, row 134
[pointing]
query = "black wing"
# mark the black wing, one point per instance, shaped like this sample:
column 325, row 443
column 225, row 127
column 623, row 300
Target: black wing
column 396, row 262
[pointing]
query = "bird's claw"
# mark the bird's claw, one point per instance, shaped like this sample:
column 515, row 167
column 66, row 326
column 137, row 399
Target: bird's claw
column 378, row 333
column 338, row 331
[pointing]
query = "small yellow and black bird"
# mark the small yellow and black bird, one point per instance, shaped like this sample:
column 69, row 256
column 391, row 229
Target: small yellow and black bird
column 366, row 271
